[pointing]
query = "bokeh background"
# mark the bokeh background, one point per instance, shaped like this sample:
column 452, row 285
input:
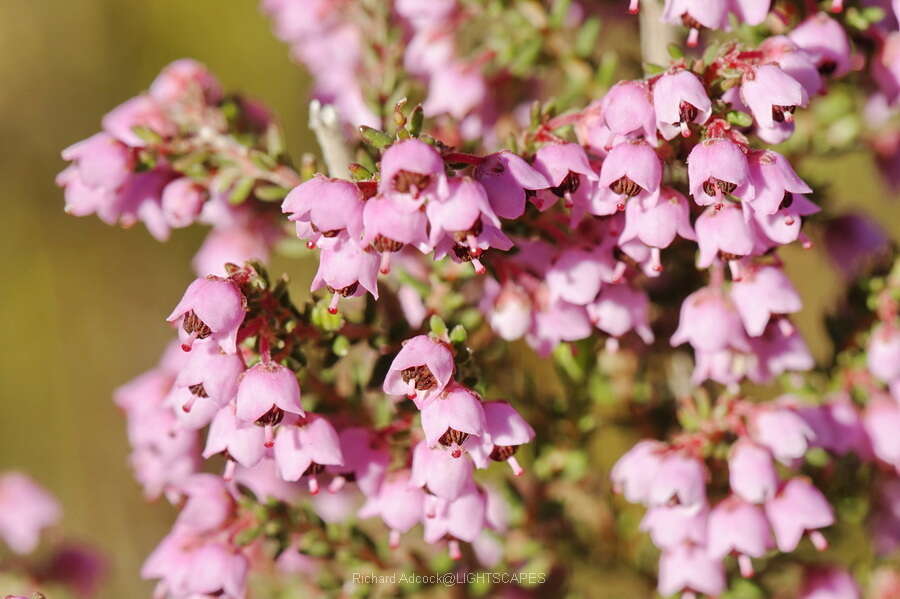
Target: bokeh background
column 83, row 303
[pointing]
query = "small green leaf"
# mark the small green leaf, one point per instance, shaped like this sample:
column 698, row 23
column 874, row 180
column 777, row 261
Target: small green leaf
column 415, row 121
column 270, row 193
column 438, row 326
column 146, row 134
column 247, row 536
column 675, row 51
column 739, row 119
column 586, row 38
column 341, row 346
column 241, row 190
column 262, row 160
column 358, row 172
column 375, row 138
column 459, row 334
column 653, row 69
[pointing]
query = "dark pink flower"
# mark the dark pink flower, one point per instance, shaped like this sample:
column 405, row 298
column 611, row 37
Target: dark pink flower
column 344, row 268
column 826, row 41
column 772, row 95
column 452, row 416
column 399, row 503
column 505, row 176
column 736, row 526
column 751, row 471
column 140, row 111
column 325, row 208
column 679, row 99
column 366, row 460
column 206, row 383
column 772, row 178
column 421, row 370
column 305, row 447
column 762, row 292
column 411, row 170
column 440, row 474
column 505, row 430
column 267, row 391
column 716, row 168
column 626, row 110
column 689, row 568
column 797, row 508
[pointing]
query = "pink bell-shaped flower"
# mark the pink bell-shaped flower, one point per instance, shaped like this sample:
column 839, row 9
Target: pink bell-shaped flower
column 690, row 569
column 883, row 352
column 680, row 480
column 241, row 442
column 389, row 226
column 328, row 206
column 463, row 519
column 266, row 392
column 505, row 430
column 826, row 41
column 411, row 170
column 25, row 510
column 724, row 233
column 451, row 417
column 881, row 419
column 365, row 461
column 207, row 382
column 441, row 474
column 567, row 170
column 344, row 268
column 655, row 224
column 772, row 95
column 709, row 322
column 673, row 525
column 183, row 77
column 794, row 61
column 736, row 526
column 577, row 274
column 717, row 167
column 399, row 503
column 626, row 110
column 305, row 448
column 695, row 15
column 619, row 309
column 797, row 508
column 751, row 12
column 139, row 111
column 631, row 169
column 782, row 431
column 209, row 505
column 771, row 177
column 828, row 582
column 679, row 99
column 421, row 370
column 633, row 474
column 505, row 176
column 751, row 471
column 211, row 307
column 762, row 292
column 182, row 201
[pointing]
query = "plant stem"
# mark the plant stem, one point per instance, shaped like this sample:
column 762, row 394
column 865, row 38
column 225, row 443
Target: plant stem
column 655, row 34
column 323, row 120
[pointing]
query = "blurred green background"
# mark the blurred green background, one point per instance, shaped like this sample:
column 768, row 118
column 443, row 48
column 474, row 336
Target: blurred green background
column 83, row 303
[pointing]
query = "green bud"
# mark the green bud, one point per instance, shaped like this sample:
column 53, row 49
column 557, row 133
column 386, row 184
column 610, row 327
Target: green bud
column 241, row 190
column 375, row 138
column 739, row 119
column 438, row 326
column 270, row 193
column 459, row 334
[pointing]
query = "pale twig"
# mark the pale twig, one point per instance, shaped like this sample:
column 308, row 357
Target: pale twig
column 324, row 122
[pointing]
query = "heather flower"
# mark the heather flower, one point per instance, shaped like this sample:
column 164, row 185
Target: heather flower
column 440, row 474
column 782, row 431
column 506, row 177
column 680, row 479
column 679, row 99
column 421, row 370
column 794, row 61
column 826, row 582
column 736, row 526
column 182, row 201
column 657, row 225
column 634, row 473
column 689, row 568
column 881, row 419
column 772, row 95
column 717, row 167
column 267, row 391
column 451, row 417
column 673, row 525
column 619, row 309
column 326, row 207
column 783, row 227
column 140, row 111
column 751, row 12
column 305, row 448
column 631, row 169
column 505, row 430
column 772, row 178
column 411, row 170
column 399, row 504
column 208, row 381
column 211, row 307
column 183, row 77
column 797, row 508
column 626, row 110
column 696, row 14
column 825, row 40
column 209, row 505
column 883, row 352
column 345, row 268
column 232, row 245
column 455, row 89
column 751, row 471
column 365, row 461
column 709, row 322
column 190, row 566
column 100, row 165
column 241, row 442
column 779, row 349
column 25, row 510
column 462, row 520
column 568, row 171
column 724, row 233
column 762, row 292
column 389, row 225
column 508, row 309
column 577, row 274
column 558, row 321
